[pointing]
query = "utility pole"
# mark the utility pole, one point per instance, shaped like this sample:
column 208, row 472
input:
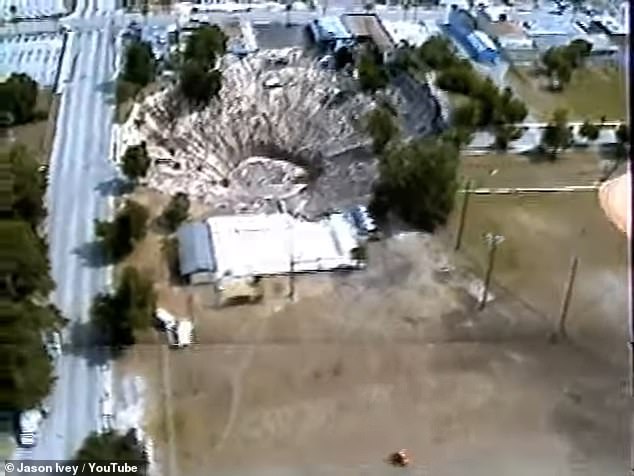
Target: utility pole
column 291, row 274
column 463, row 214
column 565, row 304
column 492, row 242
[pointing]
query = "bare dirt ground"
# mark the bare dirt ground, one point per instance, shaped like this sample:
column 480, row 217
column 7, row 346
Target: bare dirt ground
column 361, row 364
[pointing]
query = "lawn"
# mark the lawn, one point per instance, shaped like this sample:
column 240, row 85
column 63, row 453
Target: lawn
column 542, row 232
column 39, row 134
column 592, row 93
column 508, row 170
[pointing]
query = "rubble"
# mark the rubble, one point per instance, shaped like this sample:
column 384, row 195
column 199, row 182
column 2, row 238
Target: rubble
column 255, row 144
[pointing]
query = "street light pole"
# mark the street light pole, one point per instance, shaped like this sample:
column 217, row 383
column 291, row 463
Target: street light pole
column 492, row 242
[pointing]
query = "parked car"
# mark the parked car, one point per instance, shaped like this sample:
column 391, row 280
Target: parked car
column 29, row 427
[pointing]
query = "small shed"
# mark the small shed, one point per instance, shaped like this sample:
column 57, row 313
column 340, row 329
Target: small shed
column 196, row 253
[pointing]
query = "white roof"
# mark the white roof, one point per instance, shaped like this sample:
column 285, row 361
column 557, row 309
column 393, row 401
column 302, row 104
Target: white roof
column 415, row 34
column 184, row 332
column 484, row 38
column 247, row 245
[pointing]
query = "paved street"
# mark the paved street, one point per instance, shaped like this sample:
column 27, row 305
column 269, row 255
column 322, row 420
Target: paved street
column 79, row 167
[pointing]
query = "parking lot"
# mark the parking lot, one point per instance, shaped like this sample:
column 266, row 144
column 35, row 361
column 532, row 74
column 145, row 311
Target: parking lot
column 29, row 9
column 36, row 55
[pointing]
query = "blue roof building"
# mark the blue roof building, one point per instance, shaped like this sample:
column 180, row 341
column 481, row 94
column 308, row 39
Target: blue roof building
column 331, row 32
column 477, row 43
column 196, row 252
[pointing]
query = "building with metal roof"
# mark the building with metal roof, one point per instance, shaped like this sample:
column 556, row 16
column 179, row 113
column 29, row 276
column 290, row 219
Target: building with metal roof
column 330, row 32
column 197, row 262
column 477, row 43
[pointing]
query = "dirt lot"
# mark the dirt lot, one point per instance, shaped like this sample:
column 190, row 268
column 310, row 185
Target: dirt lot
column 592, row 93
column 37, row 135
column 361, row 364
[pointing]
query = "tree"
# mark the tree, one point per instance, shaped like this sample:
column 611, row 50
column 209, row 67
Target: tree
column 139, row 67
column 198, row 85
column 27, row 373
column 457, row 79
column 113, row 446
column 418, row 181
column 372, row 74
column 119, row 236
column 437, row 53
column 136, row 162
column 205, row 45
column 18, row 98
column 623, row 141
column 27, row 185
column 25, row 268
column 125, row 90
column 131, row 307
column 557, row 134
column 589, row 130
column 466, row 114
column 176, row 211
column 504, row 134
column 343, row 57
column 382, row 128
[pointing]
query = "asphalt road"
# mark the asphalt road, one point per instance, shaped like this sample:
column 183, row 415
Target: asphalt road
column 79, row 169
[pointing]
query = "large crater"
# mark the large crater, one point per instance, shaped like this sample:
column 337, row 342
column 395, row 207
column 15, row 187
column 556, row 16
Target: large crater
column 281, row 128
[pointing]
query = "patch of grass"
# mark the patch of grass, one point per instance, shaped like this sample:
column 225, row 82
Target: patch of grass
column 542, row 232
column 39, row 134
column 508, row 170
column 592, row 93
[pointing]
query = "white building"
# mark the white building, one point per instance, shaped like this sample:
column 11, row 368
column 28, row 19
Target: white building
column 240, row 246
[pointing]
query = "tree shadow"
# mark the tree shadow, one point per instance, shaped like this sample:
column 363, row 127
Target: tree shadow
column 83, row 342
column 91, row 254
column 107, row 88
column 115, row 187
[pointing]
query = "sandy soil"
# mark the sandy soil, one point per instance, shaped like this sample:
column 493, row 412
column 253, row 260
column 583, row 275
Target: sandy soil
column 361, row 364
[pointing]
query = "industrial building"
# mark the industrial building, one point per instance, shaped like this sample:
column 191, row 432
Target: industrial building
column 367, row 27
column 476, row 42
column 330, row 33
column 225, row 248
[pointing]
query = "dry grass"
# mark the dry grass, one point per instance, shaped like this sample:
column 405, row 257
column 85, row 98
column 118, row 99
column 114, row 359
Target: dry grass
column 38, row 136
column 509, row 170
column 363, row 363
column 592, row 93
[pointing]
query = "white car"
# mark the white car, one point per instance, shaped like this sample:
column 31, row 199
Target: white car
column 29, row 427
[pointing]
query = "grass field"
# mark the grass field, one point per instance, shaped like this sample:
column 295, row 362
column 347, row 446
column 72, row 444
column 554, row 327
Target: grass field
column 542, row 233
column 592, row 93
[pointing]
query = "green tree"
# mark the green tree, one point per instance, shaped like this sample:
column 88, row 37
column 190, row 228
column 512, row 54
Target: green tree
column 27, row 371
column 198, row 85
column 417, row 180
column 343, row 57
column 176, row 211
column 457, row 79
column 504, row 134
column 119, row 236
column 27, row 185
column 114, row 446
column 437, row 53
column 139, row 67
column 18, row 98
column 466, row 114
column 589, row 130
column 25, row 268
column 135, row 162
column 131, row 307
column 205, row 45
column 623, row 141
column 381, row 126
column 372, row 74
column 125, row 90
column 557, row 135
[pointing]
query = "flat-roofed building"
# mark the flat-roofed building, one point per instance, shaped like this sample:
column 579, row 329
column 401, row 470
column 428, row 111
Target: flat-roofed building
column 368, row 27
